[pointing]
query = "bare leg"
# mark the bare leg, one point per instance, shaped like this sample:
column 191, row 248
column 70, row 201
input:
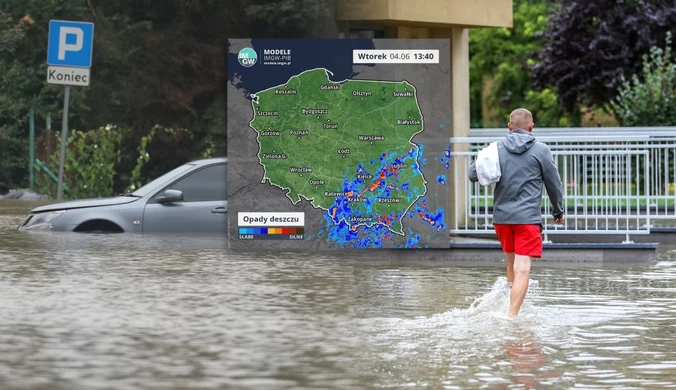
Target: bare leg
column 509, row 259
column 520, row 286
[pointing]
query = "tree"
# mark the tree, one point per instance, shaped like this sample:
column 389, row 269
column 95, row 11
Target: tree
column 21, row 88
column 648, row 100
column 591, row 44
column 155, row 63
column 293, row 18
column 503, row 56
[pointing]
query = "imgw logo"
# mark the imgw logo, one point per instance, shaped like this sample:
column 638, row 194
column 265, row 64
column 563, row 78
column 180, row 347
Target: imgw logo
column 247, row 57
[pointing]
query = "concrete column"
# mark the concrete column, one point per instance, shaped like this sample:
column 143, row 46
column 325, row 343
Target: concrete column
column 460, row 81
column 459, row 77
column 460, row 120
column 460, row 115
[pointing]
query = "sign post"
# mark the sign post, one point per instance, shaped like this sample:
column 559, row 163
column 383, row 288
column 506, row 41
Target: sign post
column 31, row 148
column 64, row 137
column 69, row 59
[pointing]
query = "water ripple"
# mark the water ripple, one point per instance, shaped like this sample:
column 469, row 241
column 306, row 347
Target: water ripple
column 129, row 312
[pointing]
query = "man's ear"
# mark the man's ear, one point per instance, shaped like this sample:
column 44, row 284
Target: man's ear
column 530, row 128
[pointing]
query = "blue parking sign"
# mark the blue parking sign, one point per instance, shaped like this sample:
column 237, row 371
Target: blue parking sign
column 70, row 43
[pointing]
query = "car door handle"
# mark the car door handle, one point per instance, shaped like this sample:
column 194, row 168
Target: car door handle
column 219, row 210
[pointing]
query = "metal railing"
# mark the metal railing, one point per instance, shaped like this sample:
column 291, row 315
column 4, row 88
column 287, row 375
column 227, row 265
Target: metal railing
column 658, row 142
column 612, row 184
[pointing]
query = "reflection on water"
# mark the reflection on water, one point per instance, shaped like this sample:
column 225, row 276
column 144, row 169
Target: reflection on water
column 524, row 355
column 167, row 312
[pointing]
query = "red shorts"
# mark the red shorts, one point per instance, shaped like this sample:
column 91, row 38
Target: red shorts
column 524, row 240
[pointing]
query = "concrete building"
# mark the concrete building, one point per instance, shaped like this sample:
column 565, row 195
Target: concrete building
column 450, row 19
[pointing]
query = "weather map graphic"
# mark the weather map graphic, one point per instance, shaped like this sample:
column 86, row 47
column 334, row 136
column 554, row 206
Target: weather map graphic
column 341, row 144
column 370, row 173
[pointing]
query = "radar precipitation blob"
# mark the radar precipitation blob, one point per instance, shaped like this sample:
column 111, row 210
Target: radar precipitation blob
column 346, row 148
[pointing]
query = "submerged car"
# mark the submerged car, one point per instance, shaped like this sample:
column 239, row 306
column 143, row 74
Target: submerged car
column 190, row 198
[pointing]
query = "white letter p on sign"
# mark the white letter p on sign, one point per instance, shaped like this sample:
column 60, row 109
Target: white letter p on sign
column 63, row 46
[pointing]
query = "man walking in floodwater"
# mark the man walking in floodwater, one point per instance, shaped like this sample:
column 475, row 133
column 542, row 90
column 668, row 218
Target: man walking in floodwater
column 525, row 164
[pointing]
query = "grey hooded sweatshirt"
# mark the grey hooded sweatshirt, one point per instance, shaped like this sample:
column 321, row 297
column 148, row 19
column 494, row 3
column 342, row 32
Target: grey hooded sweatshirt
column 525, row 165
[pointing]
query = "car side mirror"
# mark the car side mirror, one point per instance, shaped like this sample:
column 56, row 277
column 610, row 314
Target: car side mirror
column 170, row 196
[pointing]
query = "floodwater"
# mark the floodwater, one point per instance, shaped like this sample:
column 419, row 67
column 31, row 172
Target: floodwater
column 123, row 312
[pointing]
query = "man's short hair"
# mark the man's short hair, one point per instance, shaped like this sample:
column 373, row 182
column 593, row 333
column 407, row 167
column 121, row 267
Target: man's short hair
column 521, row 118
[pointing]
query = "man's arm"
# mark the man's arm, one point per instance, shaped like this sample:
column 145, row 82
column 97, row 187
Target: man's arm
column 550, row 175
column 472, row 172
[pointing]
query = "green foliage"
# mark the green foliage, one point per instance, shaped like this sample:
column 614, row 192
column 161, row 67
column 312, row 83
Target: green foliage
column 141, row 160
column 90, row 162
column 213, row 124
column 94, row 161
column 648, row 99
column 545, row 107
column 20, row 89
column 135, row 181
column 154, row 63
column 505, row 56
column 590, row 45
column 291, row 18
column 209, row 150
column 23, row 69
column 13, row 157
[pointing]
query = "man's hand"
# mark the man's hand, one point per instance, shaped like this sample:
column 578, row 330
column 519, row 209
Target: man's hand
column 559, row 220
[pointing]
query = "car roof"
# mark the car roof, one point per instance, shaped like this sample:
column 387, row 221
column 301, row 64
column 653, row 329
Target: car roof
column 208, row 161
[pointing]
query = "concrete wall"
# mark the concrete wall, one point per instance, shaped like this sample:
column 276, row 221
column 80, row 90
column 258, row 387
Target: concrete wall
column 467, row 13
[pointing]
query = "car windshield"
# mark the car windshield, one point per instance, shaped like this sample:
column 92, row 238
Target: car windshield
column 162, row 180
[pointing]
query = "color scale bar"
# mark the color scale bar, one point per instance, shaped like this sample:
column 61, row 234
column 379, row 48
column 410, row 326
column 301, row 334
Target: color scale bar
column 271, row 230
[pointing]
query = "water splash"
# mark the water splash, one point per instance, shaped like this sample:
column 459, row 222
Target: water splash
column 493, row 305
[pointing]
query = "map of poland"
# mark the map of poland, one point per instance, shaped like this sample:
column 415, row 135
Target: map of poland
column 346, row 147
